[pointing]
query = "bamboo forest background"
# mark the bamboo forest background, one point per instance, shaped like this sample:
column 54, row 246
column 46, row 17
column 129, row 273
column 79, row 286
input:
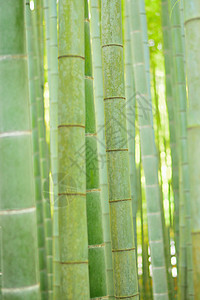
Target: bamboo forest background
column 99, row 149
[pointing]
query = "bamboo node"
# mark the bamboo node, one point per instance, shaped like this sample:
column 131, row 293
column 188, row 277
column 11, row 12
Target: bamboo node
column 125, row 297
column 71, row 194
column 72, row 56
column 71, row 125
column 114, row 97
column 123, row 250
column 110, row 45
column 119, row 200
column 111, row 150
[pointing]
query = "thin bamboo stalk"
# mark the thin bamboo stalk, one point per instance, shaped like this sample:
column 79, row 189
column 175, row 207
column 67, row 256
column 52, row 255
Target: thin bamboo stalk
column 17, row 205
column 73, row 239
column 149, row 156
column 99, row 110
column 44, row 160
column 170, row 97
column 145, row 269
column 185, row 262
column 53, row 97
column 192, row 21
column 130, row 108
column 96, row 245
column 122, row 232
column 31, row 40
column 47, row 196
column 165, row 230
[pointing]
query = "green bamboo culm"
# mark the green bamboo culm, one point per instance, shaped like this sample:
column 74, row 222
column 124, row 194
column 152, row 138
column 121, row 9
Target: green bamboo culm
column 31, row 40
column 99, row 109
column 192, row 22
column 38, row 4
column 17, row 208
column 165, row 228
column 53, row 96
column 46, row 193
column 73, row 240
column 149, row 156
column 43, row 147
column 130, row 108
column 97, row 267
column 186, row 288
column 180, row 109
column 121, row 218
column 170, row 99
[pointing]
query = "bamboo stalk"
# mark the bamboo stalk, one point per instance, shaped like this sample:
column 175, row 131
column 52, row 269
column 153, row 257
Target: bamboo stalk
column 99, row 111
column 149, row 157
column 170, row 97
column 44, row 160
column 31, row 40
column 192, row 16
column 185, row 262
column 48, row 210
column 122, row 232
column 97, row 268
column 73, row 239
column 53, row 96
column 17, row 205
column 130, row 108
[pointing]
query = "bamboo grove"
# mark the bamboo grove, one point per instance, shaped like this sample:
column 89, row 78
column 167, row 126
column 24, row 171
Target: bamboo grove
column 99, row 149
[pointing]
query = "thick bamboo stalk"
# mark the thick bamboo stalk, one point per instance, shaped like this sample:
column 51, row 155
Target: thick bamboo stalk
column 185, row 261
column 170, row 99
column 122, row 232
column 99, row 109
column 96, row 245
column 53, row 97
column 130, row 115
column 17, row 205
column 192, row 22
column 149, row 157
column 73, row 239
column 31, row 51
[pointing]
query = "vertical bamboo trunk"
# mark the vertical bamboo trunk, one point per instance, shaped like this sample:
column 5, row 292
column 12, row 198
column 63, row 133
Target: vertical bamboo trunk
column 73, row 240
column 97, row 268
column 180, row 90
column 149, row 157
column 122, row 232
column 192, row 23
column 48, row 220
column 143, row 21
column 17, row 208
column 99, row 108
column 40, row 37
column 31, row 40
column 44, row 161
column 170, row 98
column 185, row 261
column 130, row 108
column 145, row 268
column 53, row 97
column 165, row 229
